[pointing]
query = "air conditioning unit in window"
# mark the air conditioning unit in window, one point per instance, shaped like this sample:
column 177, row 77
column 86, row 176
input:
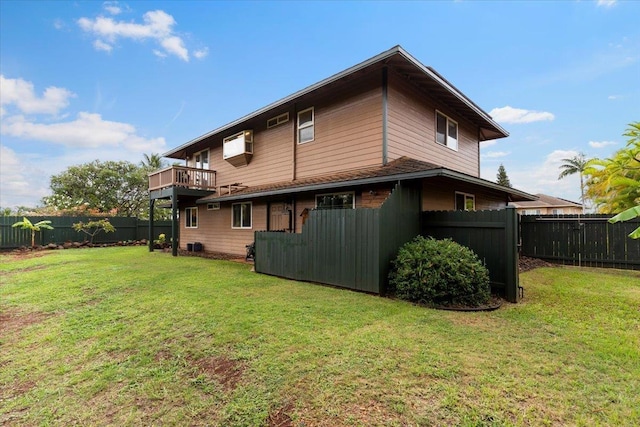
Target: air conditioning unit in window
column 237, row 149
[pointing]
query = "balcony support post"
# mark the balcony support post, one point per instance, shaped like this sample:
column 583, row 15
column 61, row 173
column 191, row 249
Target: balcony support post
column 174, row 221
column 151, row 205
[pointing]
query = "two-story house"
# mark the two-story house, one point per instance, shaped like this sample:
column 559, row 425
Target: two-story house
column 341, row 143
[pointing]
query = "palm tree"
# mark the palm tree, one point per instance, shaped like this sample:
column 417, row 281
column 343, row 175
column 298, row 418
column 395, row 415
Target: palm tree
column 25, row 224
column 152, row 162
column 576, row 164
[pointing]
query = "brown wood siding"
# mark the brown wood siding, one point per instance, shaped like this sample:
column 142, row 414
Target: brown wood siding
column 411, row 129
column 439, row 194
column 348, row 130
column 271, row 161
column 214, row 229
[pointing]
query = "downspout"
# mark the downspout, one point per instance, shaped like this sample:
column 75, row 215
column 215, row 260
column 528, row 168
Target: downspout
column 295, row 142
column 384, row 116
column 479, row 135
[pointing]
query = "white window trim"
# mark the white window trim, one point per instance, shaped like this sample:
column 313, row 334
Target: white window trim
column 195, row 165
column 353, row 193
column 213, row 206
column 250, row 209
column 311, row 125
column 446, row 135
column 278, row 120
column 472, row 196
column 187, row 217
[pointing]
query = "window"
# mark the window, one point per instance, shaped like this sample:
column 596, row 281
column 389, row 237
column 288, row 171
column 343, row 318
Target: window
column 305, row 126
column 335, row 201
column 213, row 206
column 202, row 160
column 446, row 131
column 557, row 211
column 531, row 212
column 241, row 215
column 191, row 217
column 282, row 118
column 465, row 202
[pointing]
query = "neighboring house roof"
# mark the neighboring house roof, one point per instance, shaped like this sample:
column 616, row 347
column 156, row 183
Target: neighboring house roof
column 423, row 76
column 401, row 169
column 546, row 201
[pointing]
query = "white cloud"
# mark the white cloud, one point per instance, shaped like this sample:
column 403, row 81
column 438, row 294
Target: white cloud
column 601, row 144
column 158, row 25
column 495, row 154
column 20, row 93
column 112, row 7
column 58, row 24
column 517, row 115
column 606, row 3
column 201, row 53
column 20, row 182
column 100, row 45
column 488, row 143
column 86, row 131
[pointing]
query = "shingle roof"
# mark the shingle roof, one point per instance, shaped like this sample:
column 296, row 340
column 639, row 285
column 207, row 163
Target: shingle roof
column 546, row 201
column 400, row 169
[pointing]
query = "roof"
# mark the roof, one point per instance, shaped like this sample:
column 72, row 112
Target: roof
column 406, row 65
column 401, row 169
column 546, row 201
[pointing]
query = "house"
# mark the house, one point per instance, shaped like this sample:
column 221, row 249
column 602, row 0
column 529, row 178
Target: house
column 341, row 143
column 547, row 205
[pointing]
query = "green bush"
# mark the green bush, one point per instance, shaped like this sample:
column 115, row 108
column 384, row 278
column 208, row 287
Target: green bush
column 439, row 272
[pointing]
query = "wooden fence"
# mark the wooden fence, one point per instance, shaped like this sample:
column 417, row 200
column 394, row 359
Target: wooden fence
column 492, row 235
column 582, row 240
column 126, row 229
column 350, row 248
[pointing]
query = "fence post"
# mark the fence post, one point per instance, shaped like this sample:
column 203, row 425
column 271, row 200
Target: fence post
column 151, row 205
column 511, row 254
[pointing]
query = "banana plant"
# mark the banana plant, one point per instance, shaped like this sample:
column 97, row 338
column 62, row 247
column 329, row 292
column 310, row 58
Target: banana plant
column 627, row 215
column 25, row 224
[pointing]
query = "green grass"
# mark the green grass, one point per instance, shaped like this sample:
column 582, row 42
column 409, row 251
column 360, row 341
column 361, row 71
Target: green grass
column 121, row 336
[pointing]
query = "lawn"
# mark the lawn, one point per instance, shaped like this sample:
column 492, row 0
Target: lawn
column 121, row 336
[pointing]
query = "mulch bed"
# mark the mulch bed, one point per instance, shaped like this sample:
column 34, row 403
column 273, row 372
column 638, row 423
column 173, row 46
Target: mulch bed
column 526, row 264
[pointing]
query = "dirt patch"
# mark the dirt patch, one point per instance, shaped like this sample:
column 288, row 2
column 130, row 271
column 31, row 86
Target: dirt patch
column 24, row 254
column 214, row 255
column 13, row 321
column 280, row 417
column 226, row 371
column 527, row 263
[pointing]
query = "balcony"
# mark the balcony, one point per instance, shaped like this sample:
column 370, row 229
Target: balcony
column 186, row 180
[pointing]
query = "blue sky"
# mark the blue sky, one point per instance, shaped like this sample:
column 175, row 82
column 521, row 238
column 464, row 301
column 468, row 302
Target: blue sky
column 113, row 80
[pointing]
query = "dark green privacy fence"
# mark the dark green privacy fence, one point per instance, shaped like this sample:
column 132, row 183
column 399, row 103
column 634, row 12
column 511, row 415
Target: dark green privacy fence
column 582, row 240
column 492, row 235
column 126, row 229
column 350, row 248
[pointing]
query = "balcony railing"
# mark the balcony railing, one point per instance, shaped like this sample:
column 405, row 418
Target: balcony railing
column 181, row 176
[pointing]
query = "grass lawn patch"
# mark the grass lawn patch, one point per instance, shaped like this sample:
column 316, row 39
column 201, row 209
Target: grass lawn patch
column 124, row 336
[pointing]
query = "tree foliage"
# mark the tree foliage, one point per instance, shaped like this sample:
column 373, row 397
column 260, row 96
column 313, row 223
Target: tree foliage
column 502, row 178
column 576, row 164
column 93, row 227
column 118, row 188
column 614, row 183
column 25, row 224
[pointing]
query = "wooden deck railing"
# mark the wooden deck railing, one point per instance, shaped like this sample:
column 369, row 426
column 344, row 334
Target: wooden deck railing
column 182, row 176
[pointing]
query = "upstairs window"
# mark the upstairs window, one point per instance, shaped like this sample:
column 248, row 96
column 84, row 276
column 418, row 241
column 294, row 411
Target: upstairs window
column 278, row 120
column 446, row 131
column 305, row 126
column 465, row 202
column 191, row 217
column 335, row 201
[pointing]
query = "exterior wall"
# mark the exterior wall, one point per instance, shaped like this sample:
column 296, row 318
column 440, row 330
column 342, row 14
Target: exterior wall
column 438, row 194
column 214, row 229
column 348, row 130
column 411, row 129
column 549, row 210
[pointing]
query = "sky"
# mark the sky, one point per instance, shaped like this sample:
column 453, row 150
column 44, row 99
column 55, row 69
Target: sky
column 88, row 80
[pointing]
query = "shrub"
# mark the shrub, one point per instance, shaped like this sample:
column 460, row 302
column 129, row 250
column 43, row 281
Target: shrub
column 93, row 227
column 439, row 271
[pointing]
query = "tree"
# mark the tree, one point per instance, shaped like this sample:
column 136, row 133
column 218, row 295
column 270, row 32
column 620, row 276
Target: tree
column 92, row 228
column 152, row 162
column 25, row 224
column 119, row 188
column 576, row 164
column 614, row 183
column 502, row 177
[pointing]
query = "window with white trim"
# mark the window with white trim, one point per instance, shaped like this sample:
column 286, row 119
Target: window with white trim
column 446, row 131
column 191, row 217
column 306, row 125
column 465, row 202
column 557, row 211
column 336, row 201
column 531, row 212
column 241, row 215
column 278, row 120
